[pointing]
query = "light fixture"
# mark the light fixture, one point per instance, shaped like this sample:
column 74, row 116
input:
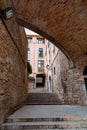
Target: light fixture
column 7, row 13
column 47, row 66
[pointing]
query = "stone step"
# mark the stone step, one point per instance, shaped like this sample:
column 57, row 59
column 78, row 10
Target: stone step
column 43, row 95
column 10, row 120
column 50, row 129
column 45, row 129
column 43, row 98
column 44, row 125
column 54, row 129
column 47, row 117
column 43, row 103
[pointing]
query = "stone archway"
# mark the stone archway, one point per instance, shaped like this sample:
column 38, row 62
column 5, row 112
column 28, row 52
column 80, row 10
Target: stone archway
column 62, row 22
column 50, row 38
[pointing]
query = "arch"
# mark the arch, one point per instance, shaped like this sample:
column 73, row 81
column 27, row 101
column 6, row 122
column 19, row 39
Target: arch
column 50, row 83
column 58, row 44
column 85, row 74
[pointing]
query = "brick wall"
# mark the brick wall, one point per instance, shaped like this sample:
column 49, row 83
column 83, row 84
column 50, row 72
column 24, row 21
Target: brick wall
column 13, row 89
column 61, row 22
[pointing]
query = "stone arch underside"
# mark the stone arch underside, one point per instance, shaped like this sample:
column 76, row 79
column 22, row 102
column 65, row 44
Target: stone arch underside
column 62, row 22
column 37, row 30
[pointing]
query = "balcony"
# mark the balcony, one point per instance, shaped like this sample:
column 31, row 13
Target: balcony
column 41, row 70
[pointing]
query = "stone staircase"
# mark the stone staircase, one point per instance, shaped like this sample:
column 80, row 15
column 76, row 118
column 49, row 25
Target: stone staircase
column 53, row 123
column 42, row 112
column 43, row 99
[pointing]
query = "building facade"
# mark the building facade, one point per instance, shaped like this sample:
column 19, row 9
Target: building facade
column 50, row 58
column 36, row 57
column 42, row 55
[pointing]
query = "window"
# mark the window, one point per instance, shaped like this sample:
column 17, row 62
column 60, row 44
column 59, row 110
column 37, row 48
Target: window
column 49, row 56
column 40, row 63
column 48, row 43
column 29, row 40
column 40, row 40
column 54, row 71
column 46, row 51
column 28, row 50
column 40, row 66
column 53, row 48
column 40, row 52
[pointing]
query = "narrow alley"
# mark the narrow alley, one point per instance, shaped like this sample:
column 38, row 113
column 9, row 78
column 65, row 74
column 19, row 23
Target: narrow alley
column 43, row 64
column 46, row 115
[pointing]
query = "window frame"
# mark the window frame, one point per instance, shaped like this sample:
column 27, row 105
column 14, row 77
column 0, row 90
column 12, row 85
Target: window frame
column 30, row 40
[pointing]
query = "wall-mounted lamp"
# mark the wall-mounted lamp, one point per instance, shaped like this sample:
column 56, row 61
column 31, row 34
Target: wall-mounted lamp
column 47, row 66
column 7, row 13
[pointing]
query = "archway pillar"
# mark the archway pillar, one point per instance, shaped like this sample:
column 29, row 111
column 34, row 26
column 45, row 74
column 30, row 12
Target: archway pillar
column 76, row 82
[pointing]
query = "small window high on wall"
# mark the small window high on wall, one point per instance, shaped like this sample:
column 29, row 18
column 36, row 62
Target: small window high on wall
column 28, row 50
column 40, row 40
column 29, row 40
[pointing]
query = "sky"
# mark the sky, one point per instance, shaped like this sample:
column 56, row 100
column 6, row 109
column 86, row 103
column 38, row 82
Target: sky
column 29, row 32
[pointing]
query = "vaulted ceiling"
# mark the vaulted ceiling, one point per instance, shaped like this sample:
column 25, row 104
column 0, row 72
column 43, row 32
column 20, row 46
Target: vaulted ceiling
column 63, row 22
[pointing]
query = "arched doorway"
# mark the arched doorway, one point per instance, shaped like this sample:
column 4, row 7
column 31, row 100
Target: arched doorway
column 50, row 84
column 85, row 78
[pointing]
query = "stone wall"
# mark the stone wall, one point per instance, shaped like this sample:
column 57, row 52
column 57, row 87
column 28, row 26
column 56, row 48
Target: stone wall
column 13, row 89
column 57, row 84
column 68, row 82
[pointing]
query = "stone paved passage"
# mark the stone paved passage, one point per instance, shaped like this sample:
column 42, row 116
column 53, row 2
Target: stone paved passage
column 38, row 111
column 42, row 117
